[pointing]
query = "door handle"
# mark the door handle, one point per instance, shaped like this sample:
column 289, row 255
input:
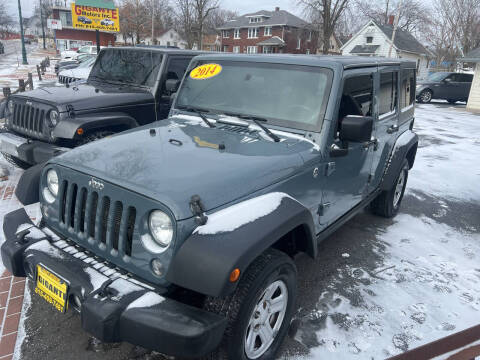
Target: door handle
column 392, row 129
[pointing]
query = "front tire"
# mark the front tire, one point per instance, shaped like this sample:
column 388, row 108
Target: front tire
column 388, row 202
column 259, row 311
column 425, row 96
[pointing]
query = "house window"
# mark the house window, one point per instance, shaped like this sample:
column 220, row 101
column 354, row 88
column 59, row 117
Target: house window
column 225, row 48
column 236, row 49
column 308, row 52
column 268, row 49
column 251, row 49
column 299, row 43
column 252, row 33
column 225, row 33
column 388, row 96
column 236, row 34
column 309, row 37
column 369, row 39
column 255, row 20
column 267, row 31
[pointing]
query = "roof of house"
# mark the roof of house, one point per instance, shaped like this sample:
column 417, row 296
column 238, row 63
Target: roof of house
column 472, row 56
column 364, row 49
column 404, row 40
column 277, row 17
column 274, row 40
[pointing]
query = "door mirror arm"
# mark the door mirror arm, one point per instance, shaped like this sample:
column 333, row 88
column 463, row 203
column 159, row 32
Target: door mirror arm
column 339, row 151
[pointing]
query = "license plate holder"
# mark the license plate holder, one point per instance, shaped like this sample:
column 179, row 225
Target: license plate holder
column 52, row 288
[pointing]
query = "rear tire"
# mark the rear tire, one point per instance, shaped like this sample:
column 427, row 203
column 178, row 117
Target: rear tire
column 425, row 96
column 252, row 311
column 388, row 202
column 16, row 161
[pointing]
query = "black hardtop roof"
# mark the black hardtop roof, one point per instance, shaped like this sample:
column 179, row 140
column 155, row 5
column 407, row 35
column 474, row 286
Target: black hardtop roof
column 157, row 49
column 347, row 62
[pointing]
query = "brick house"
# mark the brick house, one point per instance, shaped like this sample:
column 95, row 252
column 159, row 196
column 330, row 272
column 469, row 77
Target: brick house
column 268, row 32
column 70, row 38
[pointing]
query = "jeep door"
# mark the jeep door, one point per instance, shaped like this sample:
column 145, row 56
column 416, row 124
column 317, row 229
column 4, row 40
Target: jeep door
column 385, row 120
column 348, row 171
column 175, row 69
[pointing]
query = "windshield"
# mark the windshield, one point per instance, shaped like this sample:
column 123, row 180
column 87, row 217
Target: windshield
column 437, row 76
column 87, row 63
column 127, row 66
column 286, row 95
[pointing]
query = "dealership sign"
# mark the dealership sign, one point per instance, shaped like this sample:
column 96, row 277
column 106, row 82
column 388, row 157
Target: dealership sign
column 54, row 24
column 95, row 18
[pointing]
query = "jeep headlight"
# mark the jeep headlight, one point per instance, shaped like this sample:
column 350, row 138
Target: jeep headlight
column 161, row 228
column 52, row 182
column 10, row 106
column 53, row 117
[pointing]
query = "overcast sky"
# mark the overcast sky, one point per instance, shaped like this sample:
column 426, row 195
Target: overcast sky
column 241, row 6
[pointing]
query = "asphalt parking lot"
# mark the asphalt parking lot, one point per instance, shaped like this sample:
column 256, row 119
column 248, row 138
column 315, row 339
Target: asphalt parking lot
column 379, row 287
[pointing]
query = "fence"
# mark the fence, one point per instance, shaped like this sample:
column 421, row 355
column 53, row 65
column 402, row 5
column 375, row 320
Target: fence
column 24, row 84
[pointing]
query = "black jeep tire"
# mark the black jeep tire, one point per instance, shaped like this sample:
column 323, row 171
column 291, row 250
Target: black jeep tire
column 388, row 202
column 16, row 161
column 94, row 137
column 270, row 269
column 425, row 96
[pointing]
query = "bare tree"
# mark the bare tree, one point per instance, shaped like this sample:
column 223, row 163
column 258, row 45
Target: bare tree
column 218, row 17
column 324, row 15
column 6, row 20
column 185, row 20
column 203, row 9
column 134, row 18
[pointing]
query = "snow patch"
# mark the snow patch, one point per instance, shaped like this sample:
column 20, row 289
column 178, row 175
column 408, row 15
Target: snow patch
column 147, row 300
column 232, row 217
column 124, row 288
column 47, row 248
column 96, row 279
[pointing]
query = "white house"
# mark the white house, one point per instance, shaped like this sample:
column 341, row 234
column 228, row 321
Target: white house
column 374, row 40
column 168, row 38
column 474, row 98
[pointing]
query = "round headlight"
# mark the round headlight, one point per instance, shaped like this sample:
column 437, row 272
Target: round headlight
column 161, row 227
column 54, row 115
column 10, row 106
column 52, row 182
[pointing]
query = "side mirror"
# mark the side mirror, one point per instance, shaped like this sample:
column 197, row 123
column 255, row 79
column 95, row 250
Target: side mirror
column 171, row 85
column 356, row 128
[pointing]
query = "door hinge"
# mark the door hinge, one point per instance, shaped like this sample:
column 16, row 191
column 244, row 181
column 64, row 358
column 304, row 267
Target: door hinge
column 322, row 208
column 330, row 168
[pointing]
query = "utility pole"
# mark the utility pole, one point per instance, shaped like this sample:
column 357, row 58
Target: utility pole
column 395, row 26
column 24, row 51
column 43, row 25
column 153, row 19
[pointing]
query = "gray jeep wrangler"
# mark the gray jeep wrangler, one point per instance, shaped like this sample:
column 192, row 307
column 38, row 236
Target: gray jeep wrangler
column 127, row 87
column 180, row 236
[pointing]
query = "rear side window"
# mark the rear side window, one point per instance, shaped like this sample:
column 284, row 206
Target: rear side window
column 407, row 88
column 465, row 78
column 176, row 69
column 387, row 97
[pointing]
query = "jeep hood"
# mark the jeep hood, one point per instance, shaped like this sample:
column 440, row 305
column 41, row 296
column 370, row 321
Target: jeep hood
column 172, row 161
column 87, row 96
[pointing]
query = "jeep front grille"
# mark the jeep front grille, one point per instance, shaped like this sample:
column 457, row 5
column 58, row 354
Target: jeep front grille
column 66, row 79
column 107, row 222
column 28, row 119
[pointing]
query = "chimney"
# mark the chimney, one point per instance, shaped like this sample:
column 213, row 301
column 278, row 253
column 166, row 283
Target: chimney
column 277, row 9
column 391, row 18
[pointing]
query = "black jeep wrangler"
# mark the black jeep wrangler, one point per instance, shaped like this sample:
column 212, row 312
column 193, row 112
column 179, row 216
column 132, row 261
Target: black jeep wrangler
column 127, row 87
column 180, row 236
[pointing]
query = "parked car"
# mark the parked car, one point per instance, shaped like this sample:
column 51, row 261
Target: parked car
column 84, row 20
column 180, row 236
column 107, row 22
column 70, row 54
column 2, row 48
column 125, row 89
column 72, row 64
column 448, row 86
column 80, row 72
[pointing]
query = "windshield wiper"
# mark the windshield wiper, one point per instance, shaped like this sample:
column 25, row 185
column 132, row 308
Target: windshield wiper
column 198, row 112
column 257, row 120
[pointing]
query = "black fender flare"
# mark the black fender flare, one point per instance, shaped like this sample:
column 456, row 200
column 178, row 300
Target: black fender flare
column 204, row 262
column 405, row 148
column 67, row 128
column 28, row 188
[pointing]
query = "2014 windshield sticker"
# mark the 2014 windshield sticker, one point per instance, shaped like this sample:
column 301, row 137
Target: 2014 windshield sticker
column 206, row 71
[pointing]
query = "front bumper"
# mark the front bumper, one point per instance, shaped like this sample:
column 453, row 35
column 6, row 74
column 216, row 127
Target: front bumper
column 27, row 150
column 114, row 307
